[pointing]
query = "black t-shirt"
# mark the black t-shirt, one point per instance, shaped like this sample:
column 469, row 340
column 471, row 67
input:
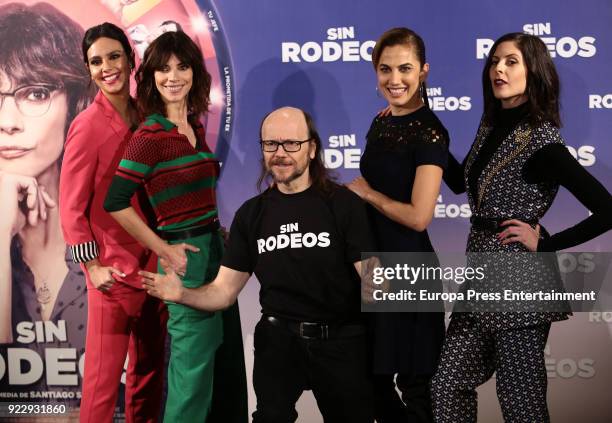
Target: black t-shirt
column 302, row 248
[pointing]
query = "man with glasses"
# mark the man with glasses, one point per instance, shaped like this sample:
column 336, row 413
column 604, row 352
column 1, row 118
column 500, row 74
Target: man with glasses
column 303, row 238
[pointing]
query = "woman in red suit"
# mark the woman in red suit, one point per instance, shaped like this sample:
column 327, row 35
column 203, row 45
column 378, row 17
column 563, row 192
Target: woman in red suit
column 121, row 319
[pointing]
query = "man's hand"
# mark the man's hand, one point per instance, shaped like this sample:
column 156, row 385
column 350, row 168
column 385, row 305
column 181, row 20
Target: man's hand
column 368, row 285
column 166, row 287
column 367, row 290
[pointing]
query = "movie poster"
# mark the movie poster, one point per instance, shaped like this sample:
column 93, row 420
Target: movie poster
column 44, row 84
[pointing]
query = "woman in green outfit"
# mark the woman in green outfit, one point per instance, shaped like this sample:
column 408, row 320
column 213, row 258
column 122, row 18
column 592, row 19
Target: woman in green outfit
column 168, row 155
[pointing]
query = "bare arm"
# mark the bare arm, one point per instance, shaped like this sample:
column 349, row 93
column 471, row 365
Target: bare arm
column 217, row 295
column 418, row 213
column 140, row 231
column 135, row 226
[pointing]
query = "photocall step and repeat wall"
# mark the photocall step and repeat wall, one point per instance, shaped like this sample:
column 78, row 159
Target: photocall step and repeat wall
column 315, row 55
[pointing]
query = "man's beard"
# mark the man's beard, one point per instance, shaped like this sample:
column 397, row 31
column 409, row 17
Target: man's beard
column 297, row 172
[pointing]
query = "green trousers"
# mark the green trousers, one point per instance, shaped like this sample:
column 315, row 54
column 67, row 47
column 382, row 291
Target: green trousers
column 206, row 373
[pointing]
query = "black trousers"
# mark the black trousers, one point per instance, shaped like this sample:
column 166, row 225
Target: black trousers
column 471, row 355
column 334, row 369
column 229, row 399
column 414, row 406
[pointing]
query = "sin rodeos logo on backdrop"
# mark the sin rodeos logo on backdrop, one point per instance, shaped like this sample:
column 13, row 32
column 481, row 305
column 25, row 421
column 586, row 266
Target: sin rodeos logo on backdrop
column 438, row 102
column 565, row 47
column 342, row 152
column 444, row 210
column 600, row 101
column 341, row 44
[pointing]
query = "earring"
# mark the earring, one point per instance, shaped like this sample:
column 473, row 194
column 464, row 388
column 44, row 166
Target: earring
column 378, row 92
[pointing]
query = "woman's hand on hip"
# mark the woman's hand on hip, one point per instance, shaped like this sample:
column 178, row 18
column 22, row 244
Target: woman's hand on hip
column 519, row 231
column 176, row 257
column 102, row 276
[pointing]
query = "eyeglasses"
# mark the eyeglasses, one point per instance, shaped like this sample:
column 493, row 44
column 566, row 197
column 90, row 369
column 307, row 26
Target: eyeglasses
column 31, row 100
column 290, row 146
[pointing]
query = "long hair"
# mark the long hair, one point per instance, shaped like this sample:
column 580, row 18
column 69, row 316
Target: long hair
column 155, row 57
column 407, row 37
column 40, row 45
column 322, row 179
column 542, row 90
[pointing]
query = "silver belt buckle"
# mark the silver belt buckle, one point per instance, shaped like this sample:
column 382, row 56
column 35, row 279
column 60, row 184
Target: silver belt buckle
column 324, row 330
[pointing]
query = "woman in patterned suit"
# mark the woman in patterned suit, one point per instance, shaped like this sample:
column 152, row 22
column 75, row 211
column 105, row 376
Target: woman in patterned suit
column 511, row 176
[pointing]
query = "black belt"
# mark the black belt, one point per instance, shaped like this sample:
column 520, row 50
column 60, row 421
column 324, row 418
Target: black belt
column 494, row 224
column 190, row 233
column 313, row 330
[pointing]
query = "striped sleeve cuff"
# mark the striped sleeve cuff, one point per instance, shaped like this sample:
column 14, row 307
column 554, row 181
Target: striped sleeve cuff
column 84, row 252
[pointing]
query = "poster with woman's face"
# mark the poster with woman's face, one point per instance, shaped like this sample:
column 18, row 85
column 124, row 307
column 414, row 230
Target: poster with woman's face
column 44, row 84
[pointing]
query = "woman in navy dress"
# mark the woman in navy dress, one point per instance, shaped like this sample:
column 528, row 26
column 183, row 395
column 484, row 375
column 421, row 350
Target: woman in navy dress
column 402, row 169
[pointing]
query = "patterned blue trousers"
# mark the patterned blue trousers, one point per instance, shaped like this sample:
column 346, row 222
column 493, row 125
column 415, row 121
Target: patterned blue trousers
column 469, row 358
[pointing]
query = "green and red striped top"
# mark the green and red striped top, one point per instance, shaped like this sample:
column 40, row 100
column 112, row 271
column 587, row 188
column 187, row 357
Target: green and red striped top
column 179, row 179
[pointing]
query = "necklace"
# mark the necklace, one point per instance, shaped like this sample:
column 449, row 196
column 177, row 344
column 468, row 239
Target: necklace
column 522, row 138
column 43, row 294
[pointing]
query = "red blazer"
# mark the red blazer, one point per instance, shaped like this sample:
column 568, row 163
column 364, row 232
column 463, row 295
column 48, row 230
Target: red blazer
column 94, row 146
